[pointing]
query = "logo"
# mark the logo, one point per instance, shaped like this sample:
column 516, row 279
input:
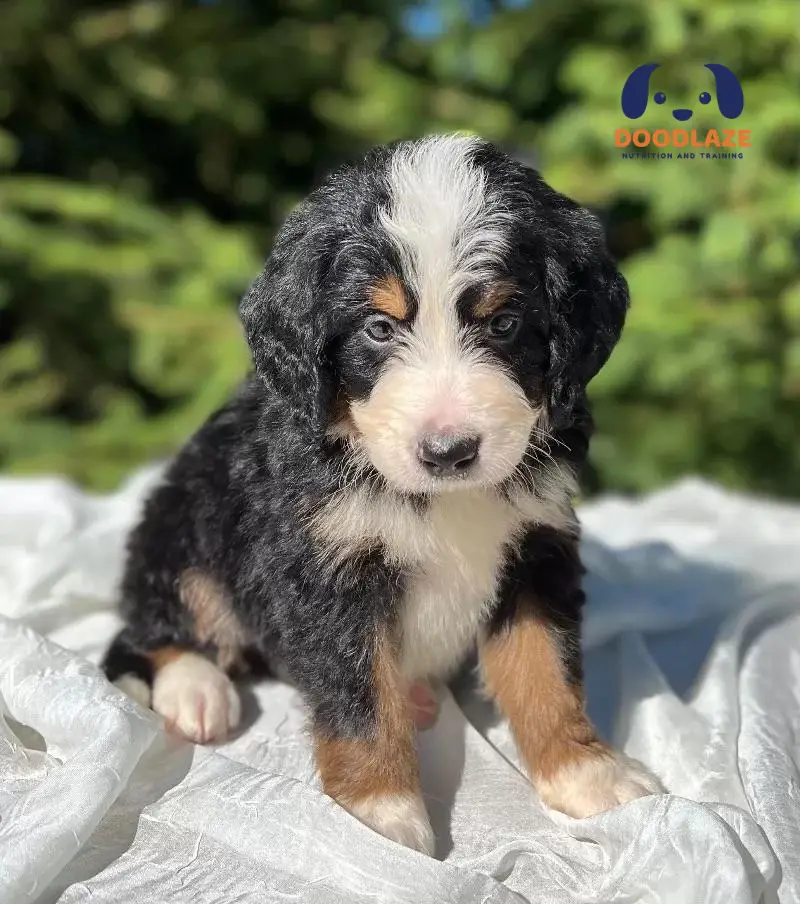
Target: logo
column 636, row 93
column 729, row 101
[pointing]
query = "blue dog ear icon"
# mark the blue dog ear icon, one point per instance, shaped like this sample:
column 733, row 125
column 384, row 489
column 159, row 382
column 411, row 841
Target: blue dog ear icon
column 636, row 90
column 730, row 98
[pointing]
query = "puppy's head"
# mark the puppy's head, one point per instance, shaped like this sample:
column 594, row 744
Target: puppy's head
column 440, row 307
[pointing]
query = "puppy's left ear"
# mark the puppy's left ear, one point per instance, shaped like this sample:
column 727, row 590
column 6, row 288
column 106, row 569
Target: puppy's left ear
column 588, row 301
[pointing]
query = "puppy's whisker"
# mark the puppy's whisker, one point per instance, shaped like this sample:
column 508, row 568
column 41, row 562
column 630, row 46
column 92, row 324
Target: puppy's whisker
column 547, row 437
column 533, row 454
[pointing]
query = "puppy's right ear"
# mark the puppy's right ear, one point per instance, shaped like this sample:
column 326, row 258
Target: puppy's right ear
column 284, row 320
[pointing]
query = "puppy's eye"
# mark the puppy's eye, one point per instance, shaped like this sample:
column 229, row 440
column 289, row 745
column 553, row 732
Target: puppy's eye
column 503, row 327
column 380, row 329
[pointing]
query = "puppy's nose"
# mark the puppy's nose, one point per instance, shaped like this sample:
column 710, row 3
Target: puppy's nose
column 448, row 454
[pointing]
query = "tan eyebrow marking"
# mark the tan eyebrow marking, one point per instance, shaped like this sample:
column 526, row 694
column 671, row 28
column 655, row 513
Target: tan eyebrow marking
column 389, row 297
column 493, row 298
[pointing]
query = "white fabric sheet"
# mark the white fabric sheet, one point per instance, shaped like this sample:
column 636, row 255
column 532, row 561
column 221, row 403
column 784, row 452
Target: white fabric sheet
column 693, row 665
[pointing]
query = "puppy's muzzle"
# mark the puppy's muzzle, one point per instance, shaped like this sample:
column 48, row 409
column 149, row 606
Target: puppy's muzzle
column 447, row 454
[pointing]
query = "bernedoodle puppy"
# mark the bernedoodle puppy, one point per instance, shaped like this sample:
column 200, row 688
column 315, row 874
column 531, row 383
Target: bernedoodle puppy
column 393, row 485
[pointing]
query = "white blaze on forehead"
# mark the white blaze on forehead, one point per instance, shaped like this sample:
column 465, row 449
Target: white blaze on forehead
column 451, row 231
column 446, row 230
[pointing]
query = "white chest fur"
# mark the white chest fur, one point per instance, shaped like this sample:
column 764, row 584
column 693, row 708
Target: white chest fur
column 452, row 553
column 453, row 581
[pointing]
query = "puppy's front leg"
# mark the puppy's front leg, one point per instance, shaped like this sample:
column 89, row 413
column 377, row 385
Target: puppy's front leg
column 531, row 664
column 373, row 772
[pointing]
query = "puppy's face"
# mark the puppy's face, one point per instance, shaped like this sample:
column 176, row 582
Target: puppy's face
column 455, row 307
column 444, row 376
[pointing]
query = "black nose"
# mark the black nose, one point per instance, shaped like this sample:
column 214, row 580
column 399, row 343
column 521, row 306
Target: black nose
column 448, row 454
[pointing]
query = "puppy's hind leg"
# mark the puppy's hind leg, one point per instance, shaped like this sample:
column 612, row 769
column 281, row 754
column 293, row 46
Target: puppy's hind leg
column 195, row 697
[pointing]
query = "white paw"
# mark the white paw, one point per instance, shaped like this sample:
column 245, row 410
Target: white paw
column 595, row 784
column 133, row 686
column 403, row 819
column 196, row 699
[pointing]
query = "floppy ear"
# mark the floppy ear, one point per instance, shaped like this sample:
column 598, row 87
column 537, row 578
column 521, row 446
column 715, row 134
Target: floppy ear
column 285, row 324
column 636, row 90
column 588, row 302
column 730, row 97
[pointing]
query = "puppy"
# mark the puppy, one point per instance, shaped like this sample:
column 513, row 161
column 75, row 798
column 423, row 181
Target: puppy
column 394, row 483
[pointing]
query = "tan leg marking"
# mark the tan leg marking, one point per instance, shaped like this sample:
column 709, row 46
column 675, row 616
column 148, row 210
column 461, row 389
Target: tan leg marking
column 164, row 656
column 571, row 769
column 377, row 779
column 214, row 620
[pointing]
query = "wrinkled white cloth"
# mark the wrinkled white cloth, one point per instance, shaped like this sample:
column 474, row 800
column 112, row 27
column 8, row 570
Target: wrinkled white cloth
column 693, row 665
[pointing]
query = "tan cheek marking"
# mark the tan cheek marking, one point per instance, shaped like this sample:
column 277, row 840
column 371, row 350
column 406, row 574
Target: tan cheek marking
column 214, row 620
column 389, row 297
column 493, row 298
column 342, row 425
column 354, row 770
column 523, row 671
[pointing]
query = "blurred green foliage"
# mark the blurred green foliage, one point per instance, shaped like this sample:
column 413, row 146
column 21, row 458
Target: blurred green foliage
column 148, row 151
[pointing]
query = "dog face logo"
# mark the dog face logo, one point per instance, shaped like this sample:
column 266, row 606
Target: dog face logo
column 636, row 93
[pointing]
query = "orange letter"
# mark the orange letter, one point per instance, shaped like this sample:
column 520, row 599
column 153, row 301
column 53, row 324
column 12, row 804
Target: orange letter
column 695, row 142
column 664, row 135
column 680, row 133
column 642, row 143
column 712, row 138
column 728, row 142
column 623, row 138
column 744, row 138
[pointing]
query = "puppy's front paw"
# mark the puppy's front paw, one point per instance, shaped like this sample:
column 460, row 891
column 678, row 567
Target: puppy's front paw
column 399, row 818
column 597, row 782
column 196, row 699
